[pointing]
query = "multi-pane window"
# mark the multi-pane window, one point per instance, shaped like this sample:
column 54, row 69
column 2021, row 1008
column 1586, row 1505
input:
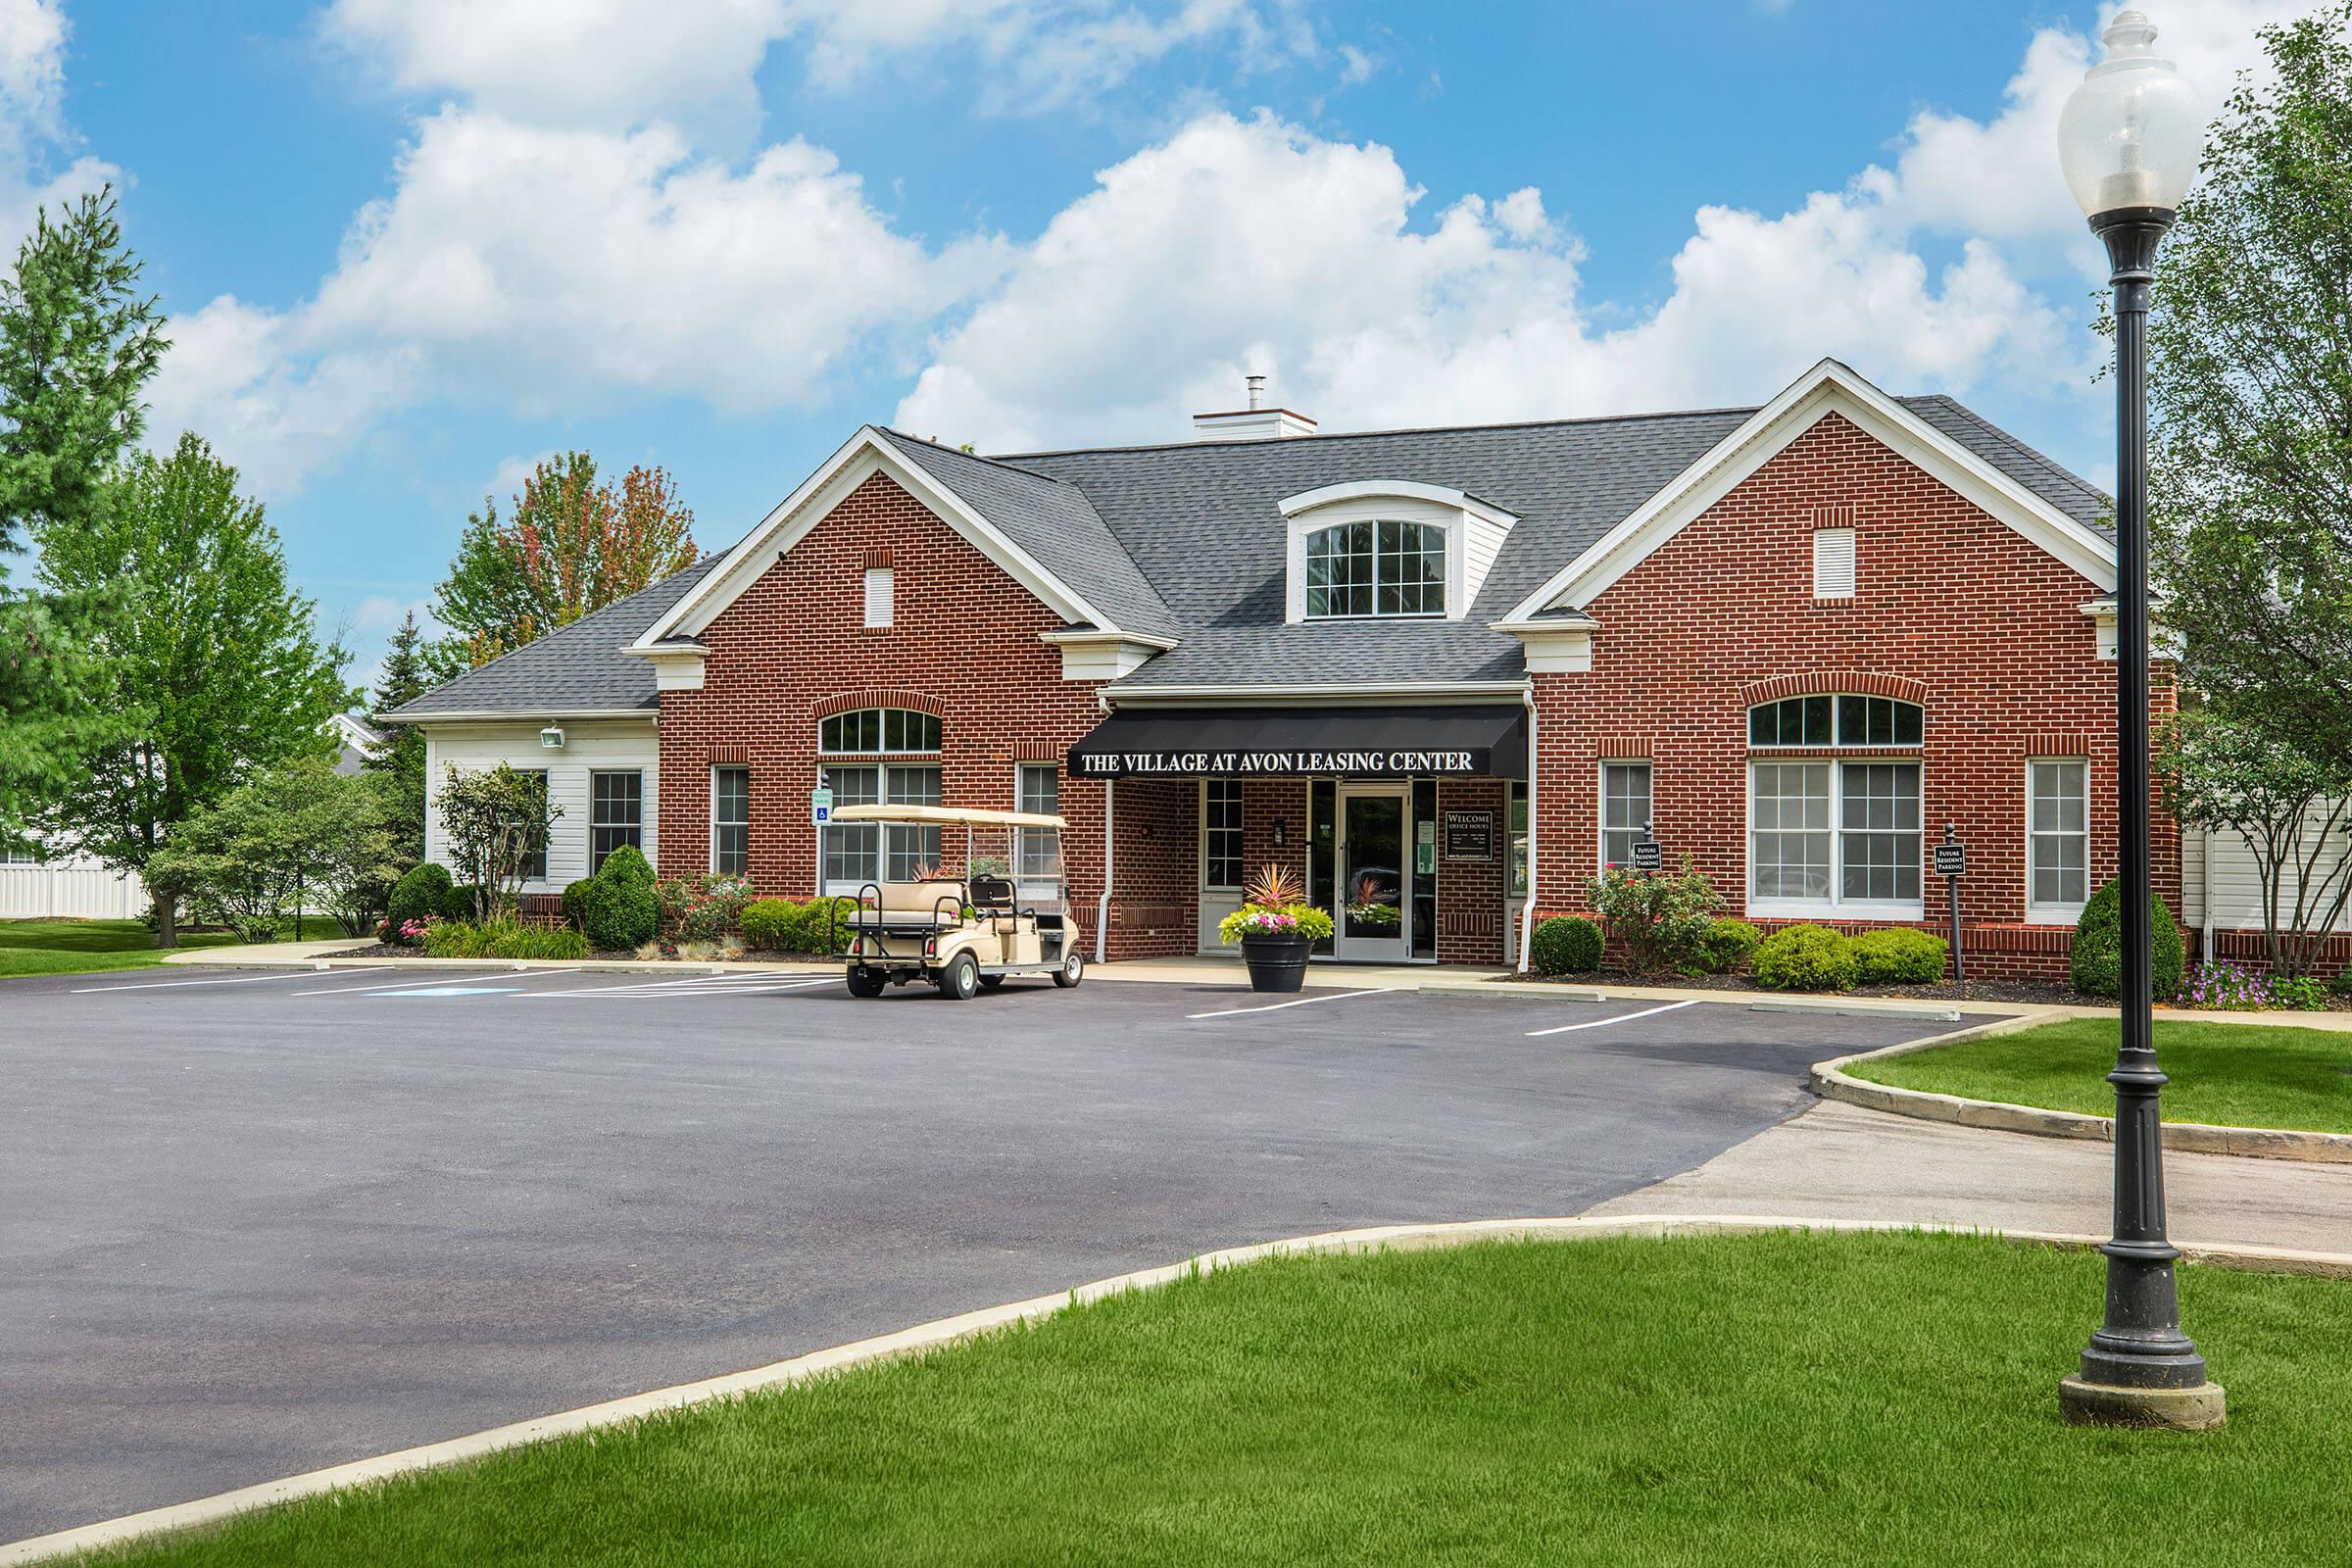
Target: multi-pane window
column 879, row 730
column 1221, row 833
column 1624, row 809
column 1835, row 721
column 1518, row 841
column 859, row 853
column 615, row 815
column 1037, row 788
column 1788, row 840
column 1872, row 855
column 1376, row 568
column 2057, row 836
column 1879, row 848
column 731, row 820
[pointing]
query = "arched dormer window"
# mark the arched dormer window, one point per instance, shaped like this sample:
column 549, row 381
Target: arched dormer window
column 1375, row 568
column 1388, row 549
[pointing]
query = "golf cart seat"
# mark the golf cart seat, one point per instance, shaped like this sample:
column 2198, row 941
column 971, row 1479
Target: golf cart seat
column 936, row 900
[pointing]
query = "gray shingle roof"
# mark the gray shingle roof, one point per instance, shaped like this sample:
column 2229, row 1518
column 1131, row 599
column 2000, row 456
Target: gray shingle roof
column 1056, row 524
column 1187, row 541
column 577, row 669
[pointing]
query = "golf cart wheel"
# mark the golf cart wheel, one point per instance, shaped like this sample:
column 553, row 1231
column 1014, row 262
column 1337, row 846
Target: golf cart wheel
column 1073, row 970
column 959, row 981
column 865, row 983
column 989, row 982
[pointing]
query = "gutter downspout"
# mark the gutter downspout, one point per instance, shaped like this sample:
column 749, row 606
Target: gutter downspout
column 1103, row 905
column 2205, row 893
column 1527, row 910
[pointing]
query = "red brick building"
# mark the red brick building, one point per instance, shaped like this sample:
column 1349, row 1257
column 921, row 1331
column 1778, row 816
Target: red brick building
column 1443, row 676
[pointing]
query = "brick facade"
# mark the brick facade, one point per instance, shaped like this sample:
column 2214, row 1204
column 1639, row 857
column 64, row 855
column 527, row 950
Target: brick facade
column 1952, row 609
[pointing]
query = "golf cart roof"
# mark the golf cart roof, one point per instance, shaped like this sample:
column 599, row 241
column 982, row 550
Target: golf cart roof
column 945, row 816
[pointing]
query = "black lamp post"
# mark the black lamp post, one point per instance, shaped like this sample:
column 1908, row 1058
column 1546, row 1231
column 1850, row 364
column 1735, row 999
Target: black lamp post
column 2127, row 140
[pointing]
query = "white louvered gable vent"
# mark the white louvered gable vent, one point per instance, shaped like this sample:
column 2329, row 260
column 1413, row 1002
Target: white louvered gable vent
column 881, row 594
column 1833, row 563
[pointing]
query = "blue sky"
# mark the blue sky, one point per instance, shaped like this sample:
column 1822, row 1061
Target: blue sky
column 410, row 245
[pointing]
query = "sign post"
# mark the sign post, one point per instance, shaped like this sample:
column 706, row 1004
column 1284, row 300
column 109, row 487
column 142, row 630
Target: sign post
column 1951, row 864
column 1648, row 853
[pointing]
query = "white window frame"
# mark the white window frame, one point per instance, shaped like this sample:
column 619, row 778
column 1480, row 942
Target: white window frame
column 2056, row 913
column 1240, row 857
column 1601, row 814
column 883, row 764
column 1834, row 908
column 1838, row 739
column 1447, row 543
column 1022, row 879
column 881, row 727
column 717, row 768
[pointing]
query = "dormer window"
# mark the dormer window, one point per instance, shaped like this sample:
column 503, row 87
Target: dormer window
column 1388, row 550
column 1382, row 568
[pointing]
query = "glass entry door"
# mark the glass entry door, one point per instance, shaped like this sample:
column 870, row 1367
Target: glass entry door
column 1375, row 888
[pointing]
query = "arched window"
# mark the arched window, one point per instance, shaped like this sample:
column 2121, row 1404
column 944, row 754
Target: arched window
column 859, row 853
column 1834, row 836
column 879, row 730
column 1379, row 568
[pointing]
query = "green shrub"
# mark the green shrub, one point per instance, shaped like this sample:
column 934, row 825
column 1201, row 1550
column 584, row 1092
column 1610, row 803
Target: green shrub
column 502, row 939
column 819, row 934
column 257, row 928
column 620, row 913
column 575, row 902
column 2097, row 959
column 1806, row 957
column 459, row 903
column 626, row 863
column 1564, row 944
column 417, row 895
column 765, row 922
column 2341, row 985
column 1900, row 957
column 1729, row 944
column 2301, row 992
column 1659, row 919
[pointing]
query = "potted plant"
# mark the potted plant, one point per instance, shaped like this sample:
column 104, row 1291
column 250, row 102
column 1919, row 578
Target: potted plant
column 1275, row 929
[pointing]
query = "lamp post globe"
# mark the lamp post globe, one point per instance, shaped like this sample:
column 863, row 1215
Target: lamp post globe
column 2128, row 142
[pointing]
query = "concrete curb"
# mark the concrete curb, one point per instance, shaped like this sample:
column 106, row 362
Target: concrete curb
column 1830, row 1081
column 928, row 1336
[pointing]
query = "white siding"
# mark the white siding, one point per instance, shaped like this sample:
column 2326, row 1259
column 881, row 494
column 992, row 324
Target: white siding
column 70, row 890
column 2221, row 867
column 1482, row 542
column 590, row 745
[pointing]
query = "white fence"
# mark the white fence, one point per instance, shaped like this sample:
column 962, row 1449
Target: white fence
column 70, row 891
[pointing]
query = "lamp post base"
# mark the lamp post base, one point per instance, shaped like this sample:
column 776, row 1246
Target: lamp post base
column 2103, row 1405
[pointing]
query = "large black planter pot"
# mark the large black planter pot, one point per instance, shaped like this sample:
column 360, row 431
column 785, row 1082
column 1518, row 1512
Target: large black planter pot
column 1276, row 964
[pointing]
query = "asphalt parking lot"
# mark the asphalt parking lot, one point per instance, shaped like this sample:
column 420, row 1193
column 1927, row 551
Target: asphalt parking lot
column 264, row 1222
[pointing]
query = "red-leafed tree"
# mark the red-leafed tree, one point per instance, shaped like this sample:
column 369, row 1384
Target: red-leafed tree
column 571, row 543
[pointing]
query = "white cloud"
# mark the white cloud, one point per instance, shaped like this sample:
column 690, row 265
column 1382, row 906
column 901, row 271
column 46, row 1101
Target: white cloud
column 34, row 137
column 614, row 64
column 1258, row 246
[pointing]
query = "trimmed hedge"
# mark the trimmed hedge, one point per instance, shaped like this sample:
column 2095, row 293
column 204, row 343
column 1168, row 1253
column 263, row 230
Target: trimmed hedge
column 619, row 914
column 1564, row 944
column 1807, row 957
column 2098, row 960
column 1727, row 945
column 626, row 863
column 417, row 895
column 575, row 902
column 1899, row 955
column 781, row 926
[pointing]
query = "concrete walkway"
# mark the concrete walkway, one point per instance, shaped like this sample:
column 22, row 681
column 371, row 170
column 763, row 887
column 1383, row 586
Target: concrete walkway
column 1843, row 1162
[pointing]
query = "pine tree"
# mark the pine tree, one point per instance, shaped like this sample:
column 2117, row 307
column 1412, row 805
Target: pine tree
column 400, row 759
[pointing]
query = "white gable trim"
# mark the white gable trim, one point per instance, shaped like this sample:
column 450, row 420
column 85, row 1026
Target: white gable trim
column 1828, row 388
column 1378, row 489
column 863, row 456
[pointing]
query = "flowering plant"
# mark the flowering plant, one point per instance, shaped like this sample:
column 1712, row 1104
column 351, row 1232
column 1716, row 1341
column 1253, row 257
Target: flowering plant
column 408, row 933
column 703, row 909
column 2227, row 988
column 1278, row 921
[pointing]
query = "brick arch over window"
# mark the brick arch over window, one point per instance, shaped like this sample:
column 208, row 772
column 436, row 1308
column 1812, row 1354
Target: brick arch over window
column 1834, row 682
column 877, row 697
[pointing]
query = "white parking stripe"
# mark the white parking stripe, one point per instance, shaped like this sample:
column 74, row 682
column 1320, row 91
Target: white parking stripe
column 1277, row 1006
column 737, row 985
column 240, row 980
column 1601, row 1023
column 437, row 980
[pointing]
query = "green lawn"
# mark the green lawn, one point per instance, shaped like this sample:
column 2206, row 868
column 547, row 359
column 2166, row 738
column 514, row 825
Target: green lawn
column 78, row 946
column 2230, row 1074
column 1787, row 1400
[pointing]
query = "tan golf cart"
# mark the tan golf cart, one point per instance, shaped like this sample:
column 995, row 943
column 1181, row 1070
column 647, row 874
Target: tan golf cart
column 980, row 896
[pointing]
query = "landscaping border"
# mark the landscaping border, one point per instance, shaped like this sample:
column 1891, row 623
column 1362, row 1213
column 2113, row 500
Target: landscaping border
column 1830, row 1081
column 943, row 1332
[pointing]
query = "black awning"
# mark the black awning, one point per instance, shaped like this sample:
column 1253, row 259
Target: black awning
column 1303, row 742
